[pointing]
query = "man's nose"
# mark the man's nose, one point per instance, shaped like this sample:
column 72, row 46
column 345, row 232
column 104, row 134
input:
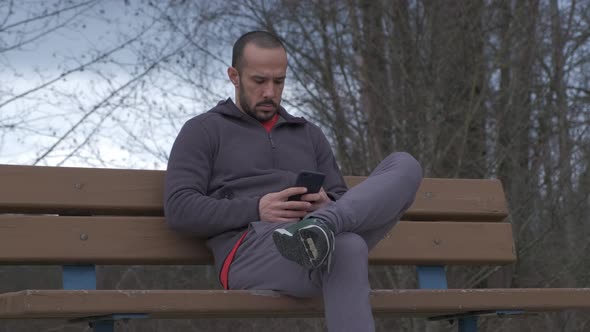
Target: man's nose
column 269, row 90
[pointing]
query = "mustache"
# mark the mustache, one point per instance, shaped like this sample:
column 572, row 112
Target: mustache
column 267, row 102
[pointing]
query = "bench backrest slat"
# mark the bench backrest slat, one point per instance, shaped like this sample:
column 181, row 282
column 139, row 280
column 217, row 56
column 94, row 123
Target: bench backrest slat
column 147, row 240
column 88, row 191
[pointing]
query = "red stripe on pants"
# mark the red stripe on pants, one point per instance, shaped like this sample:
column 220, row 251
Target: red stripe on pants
column 224, row 275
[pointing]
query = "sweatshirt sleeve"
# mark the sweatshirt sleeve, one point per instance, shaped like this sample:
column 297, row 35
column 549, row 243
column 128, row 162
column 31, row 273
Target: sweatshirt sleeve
column 186, row 205
column 334, row 184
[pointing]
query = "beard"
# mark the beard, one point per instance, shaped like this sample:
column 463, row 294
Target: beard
column 260, row 116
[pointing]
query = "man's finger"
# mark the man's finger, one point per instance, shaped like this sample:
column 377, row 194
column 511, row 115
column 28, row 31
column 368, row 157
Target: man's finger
column 292, row 191
column 311, row 197
column 295, row 205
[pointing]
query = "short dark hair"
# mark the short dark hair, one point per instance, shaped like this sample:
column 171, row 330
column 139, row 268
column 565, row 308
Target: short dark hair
column 262, row 39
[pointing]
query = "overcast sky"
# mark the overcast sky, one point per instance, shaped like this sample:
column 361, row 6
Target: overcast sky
column 99, row 27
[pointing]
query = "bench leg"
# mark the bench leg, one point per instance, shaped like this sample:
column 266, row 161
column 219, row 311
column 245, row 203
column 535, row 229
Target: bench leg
column 103, row 326
column 468, row 324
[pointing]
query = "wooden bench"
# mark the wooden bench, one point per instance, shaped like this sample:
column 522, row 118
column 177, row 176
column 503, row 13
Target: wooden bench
column 80, row 217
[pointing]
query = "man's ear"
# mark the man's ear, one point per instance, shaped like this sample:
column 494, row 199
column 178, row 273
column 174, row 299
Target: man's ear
column 234, row 76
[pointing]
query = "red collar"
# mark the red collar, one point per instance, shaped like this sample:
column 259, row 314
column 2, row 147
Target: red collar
column 270, row 123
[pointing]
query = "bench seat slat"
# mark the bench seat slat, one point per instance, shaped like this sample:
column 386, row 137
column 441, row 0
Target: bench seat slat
column 91, row 191
column 147, row 240
column 218, row 303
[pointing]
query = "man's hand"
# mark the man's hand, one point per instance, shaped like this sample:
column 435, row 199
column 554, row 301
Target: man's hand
column 274, row 207
column 317, row 201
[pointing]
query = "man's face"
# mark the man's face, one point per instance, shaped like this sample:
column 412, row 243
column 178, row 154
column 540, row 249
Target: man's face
column 261, row 81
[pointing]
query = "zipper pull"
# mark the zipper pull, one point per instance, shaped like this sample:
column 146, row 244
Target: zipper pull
column 272, row 143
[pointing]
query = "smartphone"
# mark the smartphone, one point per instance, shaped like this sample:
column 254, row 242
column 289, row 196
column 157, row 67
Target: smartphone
column 313, row 181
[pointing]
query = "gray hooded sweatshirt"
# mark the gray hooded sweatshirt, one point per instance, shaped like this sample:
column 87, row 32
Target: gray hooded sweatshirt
column 223, row 161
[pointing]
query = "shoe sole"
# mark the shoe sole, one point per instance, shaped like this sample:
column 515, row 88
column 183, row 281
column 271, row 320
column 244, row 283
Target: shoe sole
column 304, row 247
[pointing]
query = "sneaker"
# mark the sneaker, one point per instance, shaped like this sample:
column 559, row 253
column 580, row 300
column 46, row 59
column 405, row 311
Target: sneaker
column 310, row 242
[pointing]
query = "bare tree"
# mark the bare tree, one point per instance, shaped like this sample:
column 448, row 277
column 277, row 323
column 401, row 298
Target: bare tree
column 487, row 88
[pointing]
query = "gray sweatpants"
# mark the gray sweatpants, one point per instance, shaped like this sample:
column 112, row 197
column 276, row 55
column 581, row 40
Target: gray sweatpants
column 363, row 216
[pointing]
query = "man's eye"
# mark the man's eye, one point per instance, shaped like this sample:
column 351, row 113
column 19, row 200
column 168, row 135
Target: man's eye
column 280, row 82
column 259, row 81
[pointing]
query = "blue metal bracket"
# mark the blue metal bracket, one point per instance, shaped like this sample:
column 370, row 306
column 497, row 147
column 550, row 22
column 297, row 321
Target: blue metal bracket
column 468, row 320
column 106, row 323
column 432, row 277
column 468, row 324
column 481, row 313
column 78, row 277
column 103, row 326
column 435, row 277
